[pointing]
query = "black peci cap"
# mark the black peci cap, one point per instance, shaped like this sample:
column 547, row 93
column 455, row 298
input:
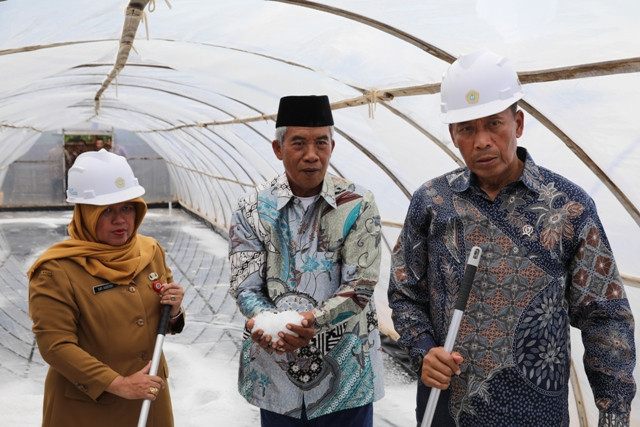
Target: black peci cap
column 306, row 111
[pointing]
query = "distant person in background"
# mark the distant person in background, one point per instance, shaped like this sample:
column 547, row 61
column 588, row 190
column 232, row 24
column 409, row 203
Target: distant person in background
column 100, row 144
column 117, row 149
column 109, row 146
column 94, row 308
column 546, row 265
column 309, row 242
column 73, row 149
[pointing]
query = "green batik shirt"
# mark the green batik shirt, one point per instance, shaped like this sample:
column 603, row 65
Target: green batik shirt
column 324, row 258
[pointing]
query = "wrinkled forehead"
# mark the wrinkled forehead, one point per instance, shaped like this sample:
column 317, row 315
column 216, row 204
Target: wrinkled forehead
column 302, row 132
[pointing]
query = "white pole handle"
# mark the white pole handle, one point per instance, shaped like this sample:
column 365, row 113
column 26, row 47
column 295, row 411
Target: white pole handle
column 461, row 303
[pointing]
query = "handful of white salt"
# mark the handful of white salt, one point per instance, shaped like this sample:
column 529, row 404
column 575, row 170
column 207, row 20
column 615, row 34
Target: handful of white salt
column 273, row 323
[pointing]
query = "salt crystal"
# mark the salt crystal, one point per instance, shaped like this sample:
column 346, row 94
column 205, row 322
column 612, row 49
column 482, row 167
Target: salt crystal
column 273, row 323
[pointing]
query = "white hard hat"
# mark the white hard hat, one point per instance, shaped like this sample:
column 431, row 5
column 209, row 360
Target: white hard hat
column 101, row 178
column 478, row 85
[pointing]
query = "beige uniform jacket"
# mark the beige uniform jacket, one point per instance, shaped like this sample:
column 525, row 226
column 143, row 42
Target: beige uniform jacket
column 89, row 331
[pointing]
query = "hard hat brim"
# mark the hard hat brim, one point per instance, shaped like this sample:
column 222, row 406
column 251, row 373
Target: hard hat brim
column 109, row 199
column 479, row 111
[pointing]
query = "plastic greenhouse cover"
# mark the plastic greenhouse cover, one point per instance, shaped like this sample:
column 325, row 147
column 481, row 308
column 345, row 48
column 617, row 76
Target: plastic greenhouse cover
column 203, row 80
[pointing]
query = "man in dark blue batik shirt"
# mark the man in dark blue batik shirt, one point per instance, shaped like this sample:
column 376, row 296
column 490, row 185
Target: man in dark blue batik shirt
column 546, row 265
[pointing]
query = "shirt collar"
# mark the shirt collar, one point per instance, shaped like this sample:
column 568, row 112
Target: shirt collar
column 461, row 179
column 284, row 193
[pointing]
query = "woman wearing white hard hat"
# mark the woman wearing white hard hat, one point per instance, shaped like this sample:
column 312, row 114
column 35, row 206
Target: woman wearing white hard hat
column 95, row 300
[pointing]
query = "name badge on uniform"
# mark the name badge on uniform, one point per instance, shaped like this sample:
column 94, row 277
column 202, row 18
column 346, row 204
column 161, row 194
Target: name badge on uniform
column 104, row 287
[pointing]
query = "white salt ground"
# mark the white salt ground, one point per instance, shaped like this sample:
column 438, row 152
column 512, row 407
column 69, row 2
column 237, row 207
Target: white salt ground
column 203, row 379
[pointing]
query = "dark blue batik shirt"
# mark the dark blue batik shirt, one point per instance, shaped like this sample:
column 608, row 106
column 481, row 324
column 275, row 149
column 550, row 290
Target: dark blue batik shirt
column 546, row 265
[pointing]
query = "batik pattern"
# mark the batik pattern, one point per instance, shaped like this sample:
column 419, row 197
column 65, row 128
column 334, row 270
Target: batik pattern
column 546, row 265
column 323, row 258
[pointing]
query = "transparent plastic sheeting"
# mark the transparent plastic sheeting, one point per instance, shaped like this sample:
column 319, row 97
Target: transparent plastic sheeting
column 202, row 83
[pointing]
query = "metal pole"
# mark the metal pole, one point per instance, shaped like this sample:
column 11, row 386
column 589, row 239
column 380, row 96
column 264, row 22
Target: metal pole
column 461, row 304
column 157, row 354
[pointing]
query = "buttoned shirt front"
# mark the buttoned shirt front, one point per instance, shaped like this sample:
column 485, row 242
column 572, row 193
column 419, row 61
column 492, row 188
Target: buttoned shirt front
column 90, row 331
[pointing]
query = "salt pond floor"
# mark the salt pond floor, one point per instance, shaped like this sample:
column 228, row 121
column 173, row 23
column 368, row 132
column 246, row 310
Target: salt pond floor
column 203, row 359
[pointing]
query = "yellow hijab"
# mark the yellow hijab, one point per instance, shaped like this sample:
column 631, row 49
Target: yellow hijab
column 117, row 264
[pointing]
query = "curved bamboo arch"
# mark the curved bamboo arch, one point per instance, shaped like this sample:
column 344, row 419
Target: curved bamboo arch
column 630, row 65
column 135, row 13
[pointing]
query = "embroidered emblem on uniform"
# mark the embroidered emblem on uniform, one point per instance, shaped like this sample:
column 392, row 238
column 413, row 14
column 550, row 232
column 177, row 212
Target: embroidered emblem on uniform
column 527, row 230
column 153, row 276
